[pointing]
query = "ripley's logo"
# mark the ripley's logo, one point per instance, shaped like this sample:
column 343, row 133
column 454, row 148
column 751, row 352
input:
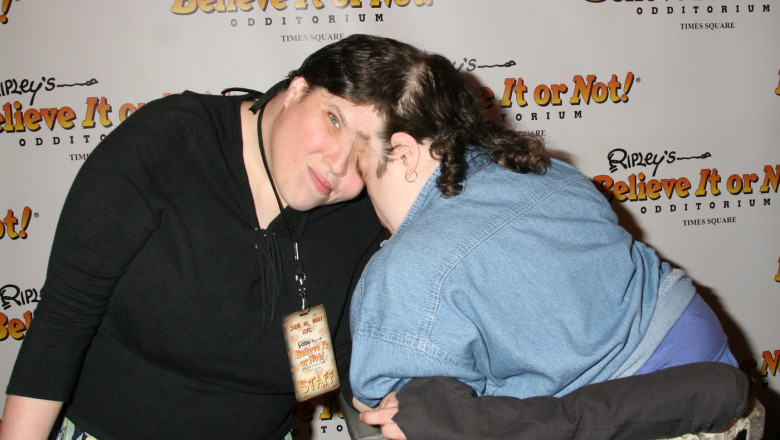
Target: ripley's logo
column 11, row 294
column 638, row 188
column 4, row 11
column 98, row 113
column 13, row 86
column 330, row 410
column 186, row 7
column 15, row 328
column 8, row 225
column 584, row 89
column 14, row 117
column 710, row 180
column 471, row 64
column 690, row 9
column 769, row 364
column 626, row 160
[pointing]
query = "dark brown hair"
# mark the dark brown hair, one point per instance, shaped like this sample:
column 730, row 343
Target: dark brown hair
column 423, row 95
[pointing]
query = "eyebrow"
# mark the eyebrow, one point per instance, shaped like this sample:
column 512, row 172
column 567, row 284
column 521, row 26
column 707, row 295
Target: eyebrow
column 360, row 134
column 363, row 136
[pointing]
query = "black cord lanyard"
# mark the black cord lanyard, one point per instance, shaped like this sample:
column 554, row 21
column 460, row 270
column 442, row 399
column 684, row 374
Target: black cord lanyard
column 258, row 107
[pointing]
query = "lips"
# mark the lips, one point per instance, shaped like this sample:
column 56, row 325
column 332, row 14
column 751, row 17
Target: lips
column 320, row 183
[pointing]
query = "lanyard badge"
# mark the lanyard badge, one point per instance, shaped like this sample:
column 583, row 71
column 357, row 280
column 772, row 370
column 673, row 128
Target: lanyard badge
column 309, row 348
column 306, row 332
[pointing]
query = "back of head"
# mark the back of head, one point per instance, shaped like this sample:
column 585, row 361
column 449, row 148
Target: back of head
column 423, row 95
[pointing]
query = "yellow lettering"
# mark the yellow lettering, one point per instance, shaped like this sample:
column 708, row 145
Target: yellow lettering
column 770, row 363
column 770, row 177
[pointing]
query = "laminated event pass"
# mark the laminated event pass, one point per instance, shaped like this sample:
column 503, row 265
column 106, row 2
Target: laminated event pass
column 309, row 348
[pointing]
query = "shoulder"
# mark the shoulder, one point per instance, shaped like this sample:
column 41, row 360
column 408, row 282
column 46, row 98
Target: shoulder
column 496, row 208
column 489, row 180
column 494, row 196
column 185, row 109
column 175, row 120
column 166, row 132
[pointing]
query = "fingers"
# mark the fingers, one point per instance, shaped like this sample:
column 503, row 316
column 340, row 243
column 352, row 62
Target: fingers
column 378, row 416
column 389, row 401
column 391, row 431
column 382, row 416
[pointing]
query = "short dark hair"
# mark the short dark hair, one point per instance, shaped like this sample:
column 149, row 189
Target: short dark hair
column 421, row 94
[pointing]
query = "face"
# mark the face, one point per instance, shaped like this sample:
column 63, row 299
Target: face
column 312, row 148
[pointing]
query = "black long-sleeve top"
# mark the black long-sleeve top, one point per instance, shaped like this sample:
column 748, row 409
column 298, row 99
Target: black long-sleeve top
column 161, row 315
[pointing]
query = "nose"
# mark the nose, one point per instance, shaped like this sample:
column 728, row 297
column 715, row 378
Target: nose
column 339, row 159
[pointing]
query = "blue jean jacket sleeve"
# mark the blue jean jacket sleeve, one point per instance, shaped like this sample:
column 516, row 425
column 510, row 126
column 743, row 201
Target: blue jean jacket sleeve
column 391, row 344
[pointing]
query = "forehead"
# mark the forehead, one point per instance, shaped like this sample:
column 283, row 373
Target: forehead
column 362, row 120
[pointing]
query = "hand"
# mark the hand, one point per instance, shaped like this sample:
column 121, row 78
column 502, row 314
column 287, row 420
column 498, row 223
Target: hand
column 382, row 416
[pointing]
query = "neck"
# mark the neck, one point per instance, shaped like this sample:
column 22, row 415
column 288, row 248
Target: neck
column 266, row 208
column 408, row 192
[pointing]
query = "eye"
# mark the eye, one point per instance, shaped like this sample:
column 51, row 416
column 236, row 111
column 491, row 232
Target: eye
column 334, row 120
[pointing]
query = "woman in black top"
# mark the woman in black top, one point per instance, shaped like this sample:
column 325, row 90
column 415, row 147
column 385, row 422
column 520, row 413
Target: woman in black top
column 171, row 268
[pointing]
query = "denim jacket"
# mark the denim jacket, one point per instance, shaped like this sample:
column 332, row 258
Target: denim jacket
column 522, row 285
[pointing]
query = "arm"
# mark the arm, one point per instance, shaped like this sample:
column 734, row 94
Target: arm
column 690, row 398
column 28, row 418
column 392, row 340
column 104, row 222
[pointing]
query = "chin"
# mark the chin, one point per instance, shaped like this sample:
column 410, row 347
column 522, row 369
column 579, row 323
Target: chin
column 299, row 205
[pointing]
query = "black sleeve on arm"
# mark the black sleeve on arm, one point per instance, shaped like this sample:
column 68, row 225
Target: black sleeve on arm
column 104, row 223
column 702, row 397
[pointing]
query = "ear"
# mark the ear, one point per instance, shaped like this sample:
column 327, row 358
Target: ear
column 406, row 149
column 295, row 91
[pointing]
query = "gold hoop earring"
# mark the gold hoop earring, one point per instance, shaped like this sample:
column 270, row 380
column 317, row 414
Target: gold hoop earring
column 412, row 178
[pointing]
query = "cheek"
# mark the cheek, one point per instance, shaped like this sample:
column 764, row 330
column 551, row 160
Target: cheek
column 288, row 152
column 352, row 185
column 296, row 137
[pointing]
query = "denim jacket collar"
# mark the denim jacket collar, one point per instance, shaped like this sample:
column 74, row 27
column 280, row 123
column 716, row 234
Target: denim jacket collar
column 431, row 192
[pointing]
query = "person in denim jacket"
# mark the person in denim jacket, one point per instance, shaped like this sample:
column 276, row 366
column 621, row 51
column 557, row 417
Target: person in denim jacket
column 504, row 268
